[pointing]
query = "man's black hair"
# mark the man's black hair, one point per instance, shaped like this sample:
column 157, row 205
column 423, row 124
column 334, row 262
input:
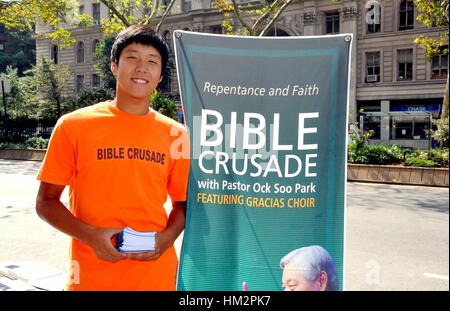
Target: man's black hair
column 142, row 34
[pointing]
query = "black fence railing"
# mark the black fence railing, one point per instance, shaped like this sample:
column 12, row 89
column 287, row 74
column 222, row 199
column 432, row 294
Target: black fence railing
column 19, row 130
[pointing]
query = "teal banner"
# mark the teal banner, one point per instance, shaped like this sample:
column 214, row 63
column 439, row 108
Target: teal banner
column 267, row 120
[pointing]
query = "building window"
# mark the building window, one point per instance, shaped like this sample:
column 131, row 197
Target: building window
column 217, row 29
column 371, row 123
column 374, row 18
column 406, row 15
column 96, row 13
column 2, row 46
column 439, row 66
column 80, row 52
column 405, row 65
column 81, row 9
column 95, row 80
column 409, row 126
column 332, row 22
column 185, row 5
column 94, row 47
column 54, row 53
column 80, row 83
column 373, row 67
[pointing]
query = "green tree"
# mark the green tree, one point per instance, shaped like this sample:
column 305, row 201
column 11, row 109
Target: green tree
column 19, row 50
column 102, row 58
column 441, row 134
column 21, row 102
column 434, row 13
column 24, row 14
column 50, row 81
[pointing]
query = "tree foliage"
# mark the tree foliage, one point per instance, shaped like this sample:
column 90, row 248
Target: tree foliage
column 19, row 51
column 51, row 81
column 63, row 16
column 21, row 102
column 102, row 57
column 441, row 134
column 434, row 13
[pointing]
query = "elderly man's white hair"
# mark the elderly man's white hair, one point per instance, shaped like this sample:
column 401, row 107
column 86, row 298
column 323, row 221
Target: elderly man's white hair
column 310, row 260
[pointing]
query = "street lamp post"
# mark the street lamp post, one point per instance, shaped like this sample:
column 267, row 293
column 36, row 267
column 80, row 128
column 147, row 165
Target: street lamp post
column 4, row 99
column 430, row 119
column 5, row 89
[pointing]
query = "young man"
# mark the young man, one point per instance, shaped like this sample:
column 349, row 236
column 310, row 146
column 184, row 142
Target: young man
column 120, row 159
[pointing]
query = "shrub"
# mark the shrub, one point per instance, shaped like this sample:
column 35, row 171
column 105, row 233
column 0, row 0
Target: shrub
column 9, row 145
column 432, row 158
column 420, row 162
column 439, row 156
column 36, row 143
column 375, row 154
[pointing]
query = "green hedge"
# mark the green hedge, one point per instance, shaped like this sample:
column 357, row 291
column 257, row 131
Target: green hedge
column 432, row 158
column 361, row 153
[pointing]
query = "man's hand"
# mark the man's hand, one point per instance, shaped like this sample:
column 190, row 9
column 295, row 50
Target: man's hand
column 100, row 240
column 166, row 238
column 163, row 240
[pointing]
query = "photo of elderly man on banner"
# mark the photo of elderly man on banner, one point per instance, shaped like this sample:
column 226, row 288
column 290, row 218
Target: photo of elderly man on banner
column 267, row 120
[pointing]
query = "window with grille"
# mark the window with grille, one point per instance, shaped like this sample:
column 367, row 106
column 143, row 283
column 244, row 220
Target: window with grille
column 406, row 15
column 373, row 67
column 332, row 22
column 439, row 65
column 80, row 52
column 95, row 80
column 55, row 54
column 96, row 13
column 405, row 64
column 374, row 23
column 80, row 83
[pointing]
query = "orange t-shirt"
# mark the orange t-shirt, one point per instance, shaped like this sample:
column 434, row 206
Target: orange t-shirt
column 120, row 168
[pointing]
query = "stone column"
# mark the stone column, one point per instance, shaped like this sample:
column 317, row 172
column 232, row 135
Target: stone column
column 310, row 18
column 384, row 122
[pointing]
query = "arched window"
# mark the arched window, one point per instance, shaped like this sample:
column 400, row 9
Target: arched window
column 80, row 52
column 373, row 17
column 406, row 15
column 276, row 32
column 55, row 54
column 94, row 46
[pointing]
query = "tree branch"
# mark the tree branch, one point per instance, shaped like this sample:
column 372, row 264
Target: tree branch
column 264, row 16
column 166, row 11
column 113, row 9
column 272, row 21
column 154, row 10
column 238, row 15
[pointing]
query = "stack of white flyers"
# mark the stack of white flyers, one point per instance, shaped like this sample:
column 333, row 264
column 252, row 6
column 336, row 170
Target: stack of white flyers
column 130, row 241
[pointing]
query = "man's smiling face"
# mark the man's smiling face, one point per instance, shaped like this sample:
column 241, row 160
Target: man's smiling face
column 138, row 71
